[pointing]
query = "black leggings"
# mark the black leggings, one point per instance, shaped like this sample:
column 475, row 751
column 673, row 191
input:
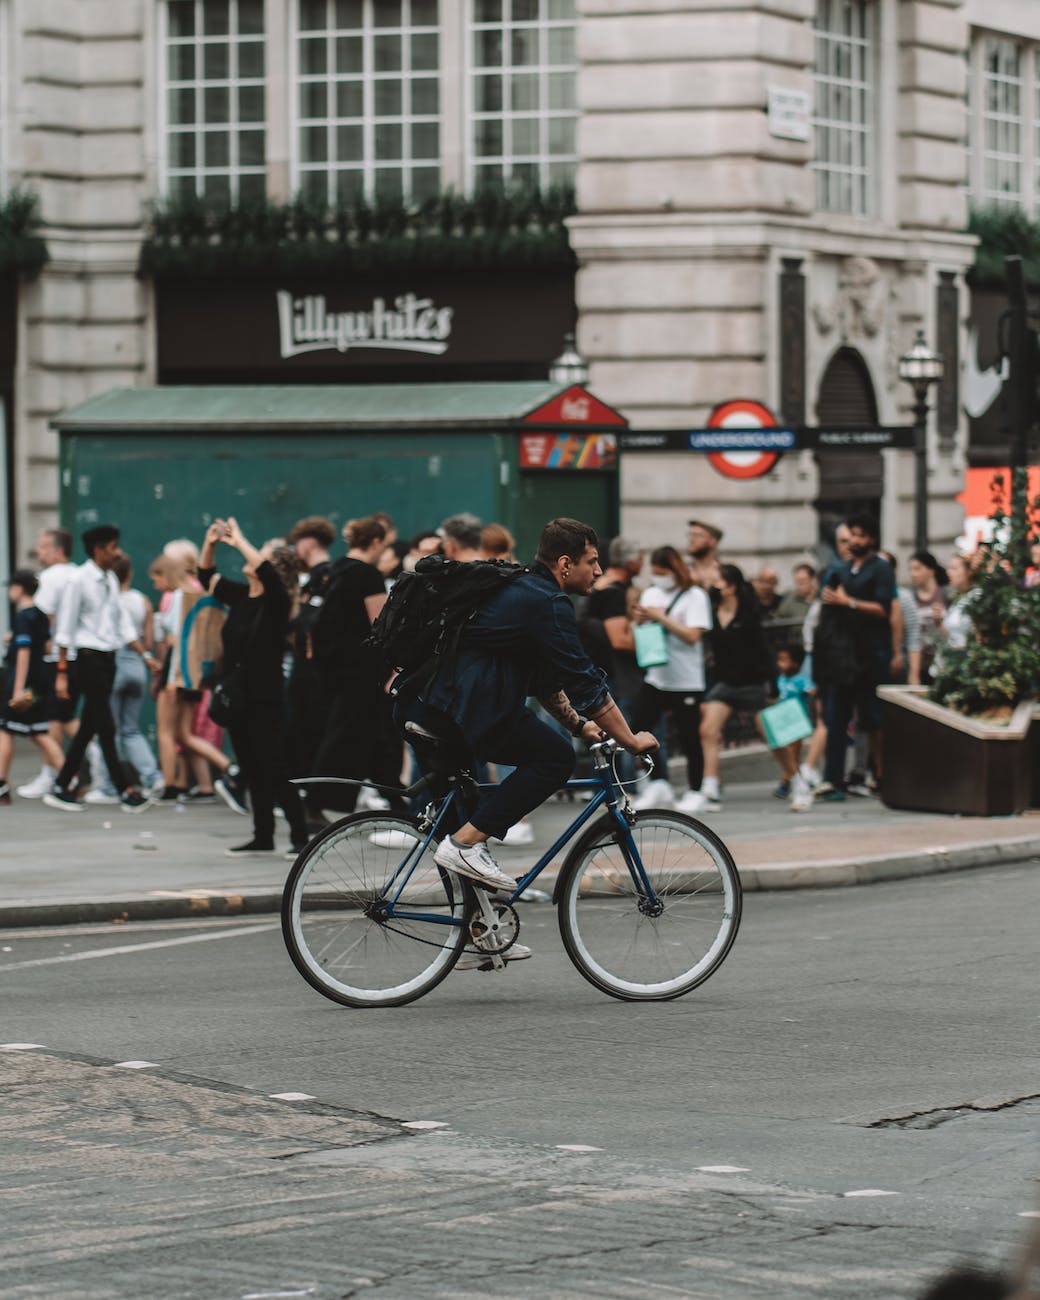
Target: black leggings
column 685, row 709
column 258, row 737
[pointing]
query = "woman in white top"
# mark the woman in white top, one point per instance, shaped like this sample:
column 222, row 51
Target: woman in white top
column 956, row 622
column 675, row 688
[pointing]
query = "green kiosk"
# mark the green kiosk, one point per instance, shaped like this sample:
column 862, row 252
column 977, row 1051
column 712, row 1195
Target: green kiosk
column 164, row 462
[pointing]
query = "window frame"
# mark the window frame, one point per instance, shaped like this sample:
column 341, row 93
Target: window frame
column 168, row 175
column 875, row 200
column 1027, row 199
column 542, row 115
column 369, row 166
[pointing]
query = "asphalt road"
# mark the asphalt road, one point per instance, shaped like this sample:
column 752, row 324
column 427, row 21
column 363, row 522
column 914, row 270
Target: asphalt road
column 846, row 1108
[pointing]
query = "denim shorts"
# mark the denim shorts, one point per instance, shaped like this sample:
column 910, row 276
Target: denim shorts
column 750, row 698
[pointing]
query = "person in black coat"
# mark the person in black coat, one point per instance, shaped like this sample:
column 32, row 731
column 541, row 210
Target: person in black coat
column 254, row 640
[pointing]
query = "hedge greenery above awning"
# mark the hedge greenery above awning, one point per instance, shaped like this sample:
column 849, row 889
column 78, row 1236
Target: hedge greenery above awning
column 23, row 249
column 1003, row 232
column 500, row 226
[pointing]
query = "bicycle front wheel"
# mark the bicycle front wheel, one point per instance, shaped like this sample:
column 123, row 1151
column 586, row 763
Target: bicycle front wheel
column 344, row 934
column 649, row 949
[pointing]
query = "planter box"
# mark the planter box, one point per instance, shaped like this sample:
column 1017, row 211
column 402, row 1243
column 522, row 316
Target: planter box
column 936, row 760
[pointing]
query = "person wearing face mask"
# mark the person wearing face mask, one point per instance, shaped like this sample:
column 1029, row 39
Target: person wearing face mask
column 675, row 688
column 857, row 599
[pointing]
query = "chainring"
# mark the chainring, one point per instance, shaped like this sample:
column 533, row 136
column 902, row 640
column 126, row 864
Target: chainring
column 501, row 939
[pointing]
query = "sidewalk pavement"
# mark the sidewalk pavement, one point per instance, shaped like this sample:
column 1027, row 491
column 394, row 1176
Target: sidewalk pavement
column 103, row 865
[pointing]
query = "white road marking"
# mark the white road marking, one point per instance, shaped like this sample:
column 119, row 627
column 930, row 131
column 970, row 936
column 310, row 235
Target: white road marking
column 1029, row 1214
column 292, row 1096
column 136, row 947
column 723, row 1169
column 423, row 1123
column 869, row 1191
column 135, row 1065
column 18, row 1047
column 576, row 1146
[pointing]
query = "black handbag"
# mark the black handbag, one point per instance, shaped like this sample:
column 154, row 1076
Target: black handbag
column 227, row 699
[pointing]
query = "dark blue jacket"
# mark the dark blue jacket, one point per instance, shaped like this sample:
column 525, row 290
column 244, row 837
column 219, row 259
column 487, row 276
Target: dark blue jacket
column 523, row 641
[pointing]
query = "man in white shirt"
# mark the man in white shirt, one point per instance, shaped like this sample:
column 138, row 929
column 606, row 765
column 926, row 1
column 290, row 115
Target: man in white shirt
column 93, row 622
column 53, row 549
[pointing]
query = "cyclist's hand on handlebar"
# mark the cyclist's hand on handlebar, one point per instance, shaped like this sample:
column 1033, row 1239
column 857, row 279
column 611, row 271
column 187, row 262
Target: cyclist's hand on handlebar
column 645, row 743
column 592, row 733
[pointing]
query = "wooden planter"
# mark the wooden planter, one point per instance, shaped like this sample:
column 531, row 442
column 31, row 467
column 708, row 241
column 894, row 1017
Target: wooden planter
column 936, row 760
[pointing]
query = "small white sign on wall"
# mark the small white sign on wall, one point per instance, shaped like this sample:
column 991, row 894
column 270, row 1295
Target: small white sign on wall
column 790, row 116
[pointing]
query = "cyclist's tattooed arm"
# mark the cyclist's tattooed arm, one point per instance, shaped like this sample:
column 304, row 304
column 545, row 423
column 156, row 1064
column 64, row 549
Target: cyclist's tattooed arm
column 561, row 709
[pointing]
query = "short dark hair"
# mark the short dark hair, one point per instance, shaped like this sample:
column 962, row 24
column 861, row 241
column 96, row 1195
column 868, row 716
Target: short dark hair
column 122, row 568
column 99, row 535
column 26, row 579
column 465, row 529
column 61, row 538
column 865, row 524
column 805, row 567
column 562, row 537
column 322, row 530
column 795, row 652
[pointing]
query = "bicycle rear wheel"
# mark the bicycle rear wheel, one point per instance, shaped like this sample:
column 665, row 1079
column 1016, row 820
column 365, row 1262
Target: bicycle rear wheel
column 334, row 921
column 624, row 943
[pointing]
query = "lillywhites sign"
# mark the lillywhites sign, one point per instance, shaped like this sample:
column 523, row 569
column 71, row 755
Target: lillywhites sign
column 407, row 324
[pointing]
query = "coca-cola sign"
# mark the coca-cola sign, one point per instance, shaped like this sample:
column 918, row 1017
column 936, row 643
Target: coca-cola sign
column 407, row 323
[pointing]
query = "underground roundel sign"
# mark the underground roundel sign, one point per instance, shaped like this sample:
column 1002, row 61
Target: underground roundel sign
column 743, row 455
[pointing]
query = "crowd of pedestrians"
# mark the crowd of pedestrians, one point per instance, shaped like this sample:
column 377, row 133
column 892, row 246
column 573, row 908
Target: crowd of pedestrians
column 278, row 663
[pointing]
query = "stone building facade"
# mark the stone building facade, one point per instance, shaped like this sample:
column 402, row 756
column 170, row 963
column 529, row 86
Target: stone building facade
column 720, row 255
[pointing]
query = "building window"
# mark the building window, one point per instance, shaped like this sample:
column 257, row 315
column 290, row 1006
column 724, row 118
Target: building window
column 844, row 109
column 523, row 103
column 1002, row 124
column 368, row 99
column 213, row 100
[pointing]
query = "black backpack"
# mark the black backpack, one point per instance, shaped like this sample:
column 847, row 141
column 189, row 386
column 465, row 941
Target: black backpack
column 419, row 627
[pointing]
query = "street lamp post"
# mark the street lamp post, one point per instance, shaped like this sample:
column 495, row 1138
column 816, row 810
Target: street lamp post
column 569, row 367
column 920, row 368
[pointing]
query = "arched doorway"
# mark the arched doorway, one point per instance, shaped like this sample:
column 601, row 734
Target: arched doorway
column 850, row 481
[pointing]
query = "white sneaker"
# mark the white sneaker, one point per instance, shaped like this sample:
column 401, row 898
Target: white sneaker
column 695, row 801
column 39, row 785
column 99, row 796
column 474, row 959
column 801, row 794
column 657, row 794
column 391, row 839
column 371, row 800
column 473, row 861
column 519, row 835
column 809, row 775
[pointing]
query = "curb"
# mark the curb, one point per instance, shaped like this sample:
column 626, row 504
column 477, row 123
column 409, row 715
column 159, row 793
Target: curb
column 834, row 874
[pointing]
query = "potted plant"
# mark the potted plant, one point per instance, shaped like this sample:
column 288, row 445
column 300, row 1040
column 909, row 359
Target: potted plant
column 962, row 744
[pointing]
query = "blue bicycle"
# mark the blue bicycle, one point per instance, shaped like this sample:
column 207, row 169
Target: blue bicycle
column 648, row 903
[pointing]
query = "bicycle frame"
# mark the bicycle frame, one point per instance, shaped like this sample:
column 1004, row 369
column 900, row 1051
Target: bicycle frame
column 606, row 794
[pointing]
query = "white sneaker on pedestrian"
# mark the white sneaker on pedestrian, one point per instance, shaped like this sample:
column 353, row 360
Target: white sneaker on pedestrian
column 474, row 959
column 391, row 839
column 809, row 775
column 474, row 861
column 39, row 785
column 519, row 835
column 99, row 796
column 370, row 800
column 656, row 794
column 801, row 794
column 696, row 801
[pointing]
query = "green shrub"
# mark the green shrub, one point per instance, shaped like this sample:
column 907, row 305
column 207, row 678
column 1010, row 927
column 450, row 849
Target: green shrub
column 498, row 226
column 23, row 249
column 1000, row 665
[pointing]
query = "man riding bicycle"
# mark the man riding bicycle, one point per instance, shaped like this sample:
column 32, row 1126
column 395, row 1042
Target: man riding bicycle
column 523, row 641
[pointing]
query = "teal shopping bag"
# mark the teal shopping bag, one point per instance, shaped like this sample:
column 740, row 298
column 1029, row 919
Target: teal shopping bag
column 785, row 722
column 651, row 645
